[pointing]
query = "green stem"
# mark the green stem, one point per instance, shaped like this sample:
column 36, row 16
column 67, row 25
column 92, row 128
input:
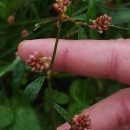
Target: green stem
column 38, row 25
column 40, row 21
column 49, row 78
column 51, row 104
column 119, row 27
column 85, row 24
column 55, row 48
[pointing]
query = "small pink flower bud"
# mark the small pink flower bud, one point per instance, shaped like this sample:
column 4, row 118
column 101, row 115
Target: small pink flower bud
column 56, row 7
column 33, row 69
column 31, row 56
column 16, row 54
column 10, row 19
column 24, row 33
column 66, row 2
column 61, row 5
column 59, row 1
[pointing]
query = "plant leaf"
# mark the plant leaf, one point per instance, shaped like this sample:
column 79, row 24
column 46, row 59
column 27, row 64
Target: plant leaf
column 7, row 68
column 83, row 92
column 25, row 119
column 4, row 69
column 6, row 116
column 60, row 97
column 91, row 11
column 63, row 113
column 120, row 17
column 33, row 88
column 2, row 9
column 81, row 33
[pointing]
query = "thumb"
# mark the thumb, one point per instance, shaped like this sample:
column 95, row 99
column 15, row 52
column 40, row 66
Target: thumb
column 112, row 113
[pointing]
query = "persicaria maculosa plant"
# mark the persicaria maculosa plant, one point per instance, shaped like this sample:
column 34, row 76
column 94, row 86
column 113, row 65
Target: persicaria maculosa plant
column 40, row 63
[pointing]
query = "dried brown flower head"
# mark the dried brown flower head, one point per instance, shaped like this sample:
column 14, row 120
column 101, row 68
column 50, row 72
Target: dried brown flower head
column 101, row 23
column 38, row 62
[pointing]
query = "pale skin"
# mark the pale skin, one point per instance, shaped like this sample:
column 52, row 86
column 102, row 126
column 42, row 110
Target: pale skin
column 94, row 58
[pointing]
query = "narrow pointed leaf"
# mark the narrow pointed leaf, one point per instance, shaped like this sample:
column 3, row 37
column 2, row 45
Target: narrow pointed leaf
column 9, row 67
column 63, row 113
column 32, row 90
column 4, row 69
column 91, row 11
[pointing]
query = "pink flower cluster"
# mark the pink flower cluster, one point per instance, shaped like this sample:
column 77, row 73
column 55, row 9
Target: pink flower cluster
column 101, row 23
column 61, row 7
column 11, row 20
column 81, row 122
column 38, row 62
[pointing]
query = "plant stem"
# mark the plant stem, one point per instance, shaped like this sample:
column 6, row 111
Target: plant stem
column 40, row 21
column 119, row 27
column 85, row 24
column 55, row 48
column 49, row 78
column 51, row 103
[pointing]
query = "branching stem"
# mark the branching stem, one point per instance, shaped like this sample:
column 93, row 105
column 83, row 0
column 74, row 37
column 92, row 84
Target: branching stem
column 119, row 27
column 55, row 47
column 49, row 78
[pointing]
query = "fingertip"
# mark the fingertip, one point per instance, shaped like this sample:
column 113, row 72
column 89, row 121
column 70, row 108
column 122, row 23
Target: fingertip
column 28, row 47
column 21, row 49
column 65, row 126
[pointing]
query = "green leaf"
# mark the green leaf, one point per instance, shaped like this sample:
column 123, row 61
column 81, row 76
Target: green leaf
column 91, row 11
column 25, row 119
column 63, row 113
column 83, row 92
column 120, row 17
column 70, row 9
column 74, row 108
column 2, row 9
column 19, row 75
column 33, row 88
column 37, row 26
column 93, row 34
column 60, row 97
column 15, row 62
column 4, row 69
column 6, row 116
column 15, row 5
column 7, row 68
column 81, row 33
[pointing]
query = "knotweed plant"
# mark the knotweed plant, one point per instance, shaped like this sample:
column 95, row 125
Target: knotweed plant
column 41, row 63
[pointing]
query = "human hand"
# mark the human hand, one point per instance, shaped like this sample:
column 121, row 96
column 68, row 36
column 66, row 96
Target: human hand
column 95, row 58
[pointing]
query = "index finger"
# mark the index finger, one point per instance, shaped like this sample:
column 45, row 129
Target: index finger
column 94, row 58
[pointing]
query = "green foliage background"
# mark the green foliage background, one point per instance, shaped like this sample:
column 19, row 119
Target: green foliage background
column 72, row 92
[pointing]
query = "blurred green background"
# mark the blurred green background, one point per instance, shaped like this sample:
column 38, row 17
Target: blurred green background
column 74, row 93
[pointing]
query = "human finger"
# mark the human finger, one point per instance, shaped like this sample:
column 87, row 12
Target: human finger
column 112, row 113
column 94, row 58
